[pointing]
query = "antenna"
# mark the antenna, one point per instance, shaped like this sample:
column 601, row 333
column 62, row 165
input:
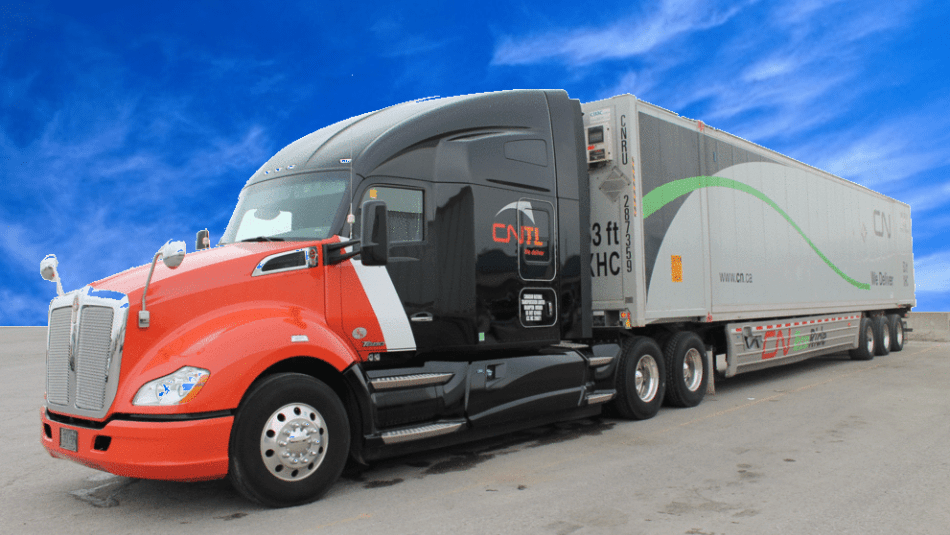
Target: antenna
column 350, row 218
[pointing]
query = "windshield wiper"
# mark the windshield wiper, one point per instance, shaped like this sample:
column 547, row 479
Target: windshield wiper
column 263, row 238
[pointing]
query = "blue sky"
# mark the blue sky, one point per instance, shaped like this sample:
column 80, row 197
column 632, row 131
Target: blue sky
column 125, row 124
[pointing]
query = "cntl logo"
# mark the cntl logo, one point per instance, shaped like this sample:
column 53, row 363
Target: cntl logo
column 502, row 233
column 524, row 234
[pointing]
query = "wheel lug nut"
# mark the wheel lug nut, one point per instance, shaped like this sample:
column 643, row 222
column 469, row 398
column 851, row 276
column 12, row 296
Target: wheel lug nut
column 281, row 443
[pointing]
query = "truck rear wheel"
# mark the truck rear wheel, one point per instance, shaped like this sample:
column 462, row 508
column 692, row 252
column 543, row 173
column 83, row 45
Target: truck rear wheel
column 289, row 442
column 866, row 341
column 640, row 379
column 686, row 370
column 882, row 335
column 896, row 328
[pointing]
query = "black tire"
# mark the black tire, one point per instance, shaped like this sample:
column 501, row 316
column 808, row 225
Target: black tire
column 640, row 379
column 866, row 341
column 309, row 413
column 686, row 374
column 896, row 325
column 882, row 335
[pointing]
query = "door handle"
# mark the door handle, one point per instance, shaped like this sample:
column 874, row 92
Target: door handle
column 421, row 317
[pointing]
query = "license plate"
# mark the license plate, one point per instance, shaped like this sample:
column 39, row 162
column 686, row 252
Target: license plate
column 68, row 439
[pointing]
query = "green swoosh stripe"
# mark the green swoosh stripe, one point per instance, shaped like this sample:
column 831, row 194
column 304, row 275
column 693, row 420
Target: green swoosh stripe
column 666, row 193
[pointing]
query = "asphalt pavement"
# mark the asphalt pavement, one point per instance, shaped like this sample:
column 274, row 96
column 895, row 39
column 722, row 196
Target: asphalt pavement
column 828, row 445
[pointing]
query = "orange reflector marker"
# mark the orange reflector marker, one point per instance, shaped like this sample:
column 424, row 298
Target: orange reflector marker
column 676, row 263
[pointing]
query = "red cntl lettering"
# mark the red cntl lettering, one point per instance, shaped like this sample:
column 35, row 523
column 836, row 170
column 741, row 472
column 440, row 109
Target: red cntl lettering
column 507, row 231
column 494, row 233
column 507, row 237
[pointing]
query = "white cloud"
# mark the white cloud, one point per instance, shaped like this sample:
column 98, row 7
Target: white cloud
column 932, row 273
column 882, row 153
column 633, row 36
column 801, row 11
column 632, row 82
column 110, row 172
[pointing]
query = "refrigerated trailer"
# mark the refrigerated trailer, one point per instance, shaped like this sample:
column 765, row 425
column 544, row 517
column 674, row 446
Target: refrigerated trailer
column 449, row 269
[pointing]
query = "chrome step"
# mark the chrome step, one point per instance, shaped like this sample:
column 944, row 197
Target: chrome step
column 596, row 362
column 419, row 433
column 408, row 381
column 571, row 345
column 600, row 397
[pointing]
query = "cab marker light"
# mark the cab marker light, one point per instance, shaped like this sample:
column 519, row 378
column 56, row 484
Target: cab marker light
column 173, row 389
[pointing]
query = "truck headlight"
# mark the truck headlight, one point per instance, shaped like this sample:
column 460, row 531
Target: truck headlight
column 174, row 389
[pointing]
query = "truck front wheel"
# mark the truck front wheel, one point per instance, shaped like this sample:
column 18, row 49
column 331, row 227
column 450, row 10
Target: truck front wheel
column 289, row 442
column 686, row 370
column 640, row 379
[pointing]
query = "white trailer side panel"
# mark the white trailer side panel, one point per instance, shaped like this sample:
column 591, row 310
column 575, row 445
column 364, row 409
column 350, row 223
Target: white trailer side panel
column 725, row 229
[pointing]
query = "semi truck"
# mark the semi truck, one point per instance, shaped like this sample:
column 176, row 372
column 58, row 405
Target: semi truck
column 449, row 269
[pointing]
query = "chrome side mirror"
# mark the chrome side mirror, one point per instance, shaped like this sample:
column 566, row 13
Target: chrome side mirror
column 173, row 252
column 48, row 271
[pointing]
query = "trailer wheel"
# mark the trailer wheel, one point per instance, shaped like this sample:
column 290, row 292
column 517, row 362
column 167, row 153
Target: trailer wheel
column 289, row 442
column 685, row 369
column 866, row 341
column 882, row 335
column 896, row 328
column 641, row 381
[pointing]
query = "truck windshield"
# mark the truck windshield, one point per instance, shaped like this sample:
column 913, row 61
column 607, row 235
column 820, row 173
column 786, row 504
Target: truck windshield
column 295, row 208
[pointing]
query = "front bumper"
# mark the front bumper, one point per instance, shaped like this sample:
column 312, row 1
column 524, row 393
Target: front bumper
column 193, row 450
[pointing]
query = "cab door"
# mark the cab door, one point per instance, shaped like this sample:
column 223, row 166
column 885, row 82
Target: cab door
column 430, row 258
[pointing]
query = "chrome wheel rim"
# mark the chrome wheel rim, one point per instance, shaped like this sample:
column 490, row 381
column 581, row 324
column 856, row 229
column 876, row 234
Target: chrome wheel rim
column 293, row 442
column 900, row 333
column 693, row 369
column 647, row 378
column 869, row 336
column 886, row 338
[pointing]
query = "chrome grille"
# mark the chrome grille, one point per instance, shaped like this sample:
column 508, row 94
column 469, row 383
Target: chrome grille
column 92, row 359
column 84, row 355
column 58, row 381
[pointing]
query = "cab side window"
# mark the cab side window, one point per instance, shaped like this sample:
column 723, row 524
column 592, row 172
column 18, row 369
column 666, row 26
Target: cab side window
column 405, row 207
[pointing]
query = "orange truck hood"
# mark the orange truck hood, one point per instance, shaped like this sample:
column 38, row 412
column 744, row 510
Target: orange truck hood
column 207, row 308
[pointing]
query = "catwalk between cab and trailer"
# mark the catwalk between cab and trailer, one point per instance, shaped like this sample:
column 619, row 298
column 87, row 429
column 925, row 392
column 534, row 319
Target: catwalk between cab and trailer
column 471, row 306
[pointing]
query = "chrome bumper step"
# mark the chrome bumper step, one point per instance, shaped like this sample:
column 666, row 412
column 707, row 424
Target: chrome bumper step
column 409, row 381
column 600, row 397
column 596, row 362
column 419, row 433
